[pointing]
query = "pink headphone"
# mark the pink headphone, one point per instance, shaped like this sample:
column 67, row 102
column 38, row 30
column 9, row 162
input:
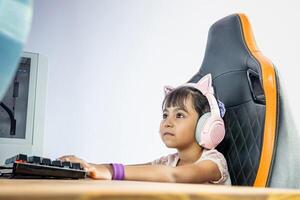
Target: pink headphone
column 210, row 129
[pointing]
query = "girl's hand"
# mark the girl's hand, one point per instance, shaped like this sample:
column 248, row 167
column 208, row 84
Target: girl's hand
column 94, row 171
column 74, row 159
column 86, row 166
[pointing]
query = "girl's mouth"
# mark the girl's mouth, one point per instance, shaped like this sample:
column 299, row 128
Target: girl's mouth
column 168, row 133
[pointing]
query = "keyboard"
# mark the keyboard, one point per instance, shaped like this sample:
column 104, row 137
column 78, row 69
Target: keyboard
column 23, row 166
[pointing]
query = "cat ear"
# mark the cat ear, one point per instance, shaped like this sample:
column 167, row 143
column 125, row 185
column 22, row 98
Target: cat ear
column 168, row 89
column 205, row 84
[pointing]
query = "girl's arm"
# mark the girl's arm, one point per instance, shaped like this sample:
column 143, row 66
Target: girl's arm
column 200, row 172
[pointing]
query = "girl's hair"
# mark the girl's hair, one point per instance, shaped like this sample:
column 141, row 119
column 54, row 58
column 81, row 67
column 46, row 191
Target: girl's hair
column 177, row 98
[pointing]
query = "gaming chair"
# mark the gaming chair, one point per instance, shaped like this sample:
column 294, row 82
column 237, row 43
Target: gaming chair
column 246, row 82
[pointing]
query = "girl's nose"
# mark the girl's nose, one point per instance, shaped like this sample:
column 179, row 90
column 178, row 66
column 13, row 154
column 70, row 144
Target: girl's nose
column 168, row 123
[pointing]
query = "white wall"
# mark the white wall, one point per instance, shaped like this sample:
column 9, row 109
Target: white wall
column 109, row 59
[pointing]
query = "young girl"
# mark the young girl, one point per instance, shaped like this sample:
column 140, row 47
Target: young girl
column 195, row 161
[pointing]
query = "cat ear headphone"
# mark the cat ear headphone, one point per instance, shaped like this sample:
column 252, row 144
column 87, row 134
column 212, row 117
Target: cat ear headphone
column 210, row 129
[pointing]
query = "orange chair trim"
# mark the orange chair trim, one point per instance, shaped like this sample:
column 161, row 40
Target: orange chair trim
column 270, row 89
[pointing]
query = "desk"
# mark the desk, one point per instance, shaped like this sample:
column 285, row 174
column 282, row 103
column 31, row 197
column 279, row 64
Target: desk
column 91, row 189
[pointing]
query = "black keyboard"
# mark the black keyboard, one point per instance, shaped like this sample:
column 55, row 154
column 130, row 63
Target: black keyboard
column 22, row 166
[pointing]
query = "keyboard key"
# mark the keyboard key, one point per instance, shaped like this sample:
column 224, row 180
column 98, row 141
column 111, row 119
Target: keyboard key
column 56, row 163
column 66, row 164
column 76, row 166
column 35, row 159
column 19, row 157
column 46, row 161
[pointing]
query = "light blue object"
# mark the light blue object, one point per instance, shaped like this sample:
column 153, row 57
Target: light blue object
column 221, row 108
column 15, row 22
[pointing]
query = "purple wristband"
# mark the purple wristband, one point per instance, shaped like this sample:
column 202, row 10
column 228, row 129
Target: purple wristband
column 118, row 171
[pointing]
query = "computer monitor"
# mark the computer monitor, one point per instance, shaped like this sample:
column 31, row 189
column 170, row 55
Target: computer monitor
column 22, row 109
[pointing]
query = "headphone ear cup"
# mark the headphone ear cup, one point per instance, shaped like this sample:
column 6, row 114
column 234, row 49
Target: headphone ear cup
column 200, row 125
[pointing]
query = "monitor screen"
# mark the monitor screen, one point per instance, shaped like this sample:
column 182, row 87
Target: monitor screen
column 22, row 108
column 13, row 107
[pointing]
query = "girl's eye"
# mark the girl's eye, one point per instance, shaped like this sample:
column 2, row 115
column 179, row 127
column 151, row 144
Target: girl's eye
column 179, row 115
column 165, row 116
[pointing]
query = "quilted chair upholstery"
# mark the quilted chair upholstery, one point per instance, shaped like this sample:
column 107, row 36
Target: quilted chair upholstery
column 246, row 82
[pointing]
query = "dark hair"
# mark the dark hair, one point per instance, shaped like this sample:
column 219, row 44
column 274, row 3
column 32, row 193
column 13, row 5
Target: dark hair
column 177, row 98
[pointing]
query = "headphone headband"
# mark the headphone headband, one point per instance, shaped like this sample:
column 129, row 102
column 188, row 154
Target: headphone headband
column 204, row 85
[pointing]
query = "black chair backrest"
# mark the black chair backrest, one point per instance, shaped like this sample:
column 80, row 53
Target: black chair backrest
column 245, row 81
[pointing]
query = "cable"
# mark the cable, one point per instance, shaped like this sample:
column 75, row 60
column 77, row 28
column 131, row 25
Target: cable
column 12, row 119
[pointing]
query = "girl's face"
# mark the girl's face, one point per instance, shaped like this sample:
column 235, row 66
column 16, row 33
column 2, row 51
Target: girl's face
column 177, row 128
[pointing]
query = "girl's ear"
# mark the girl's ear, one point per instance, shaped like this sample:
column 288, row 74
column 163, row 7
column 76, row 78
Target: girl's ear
column 205, row 84
column 168, row 89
